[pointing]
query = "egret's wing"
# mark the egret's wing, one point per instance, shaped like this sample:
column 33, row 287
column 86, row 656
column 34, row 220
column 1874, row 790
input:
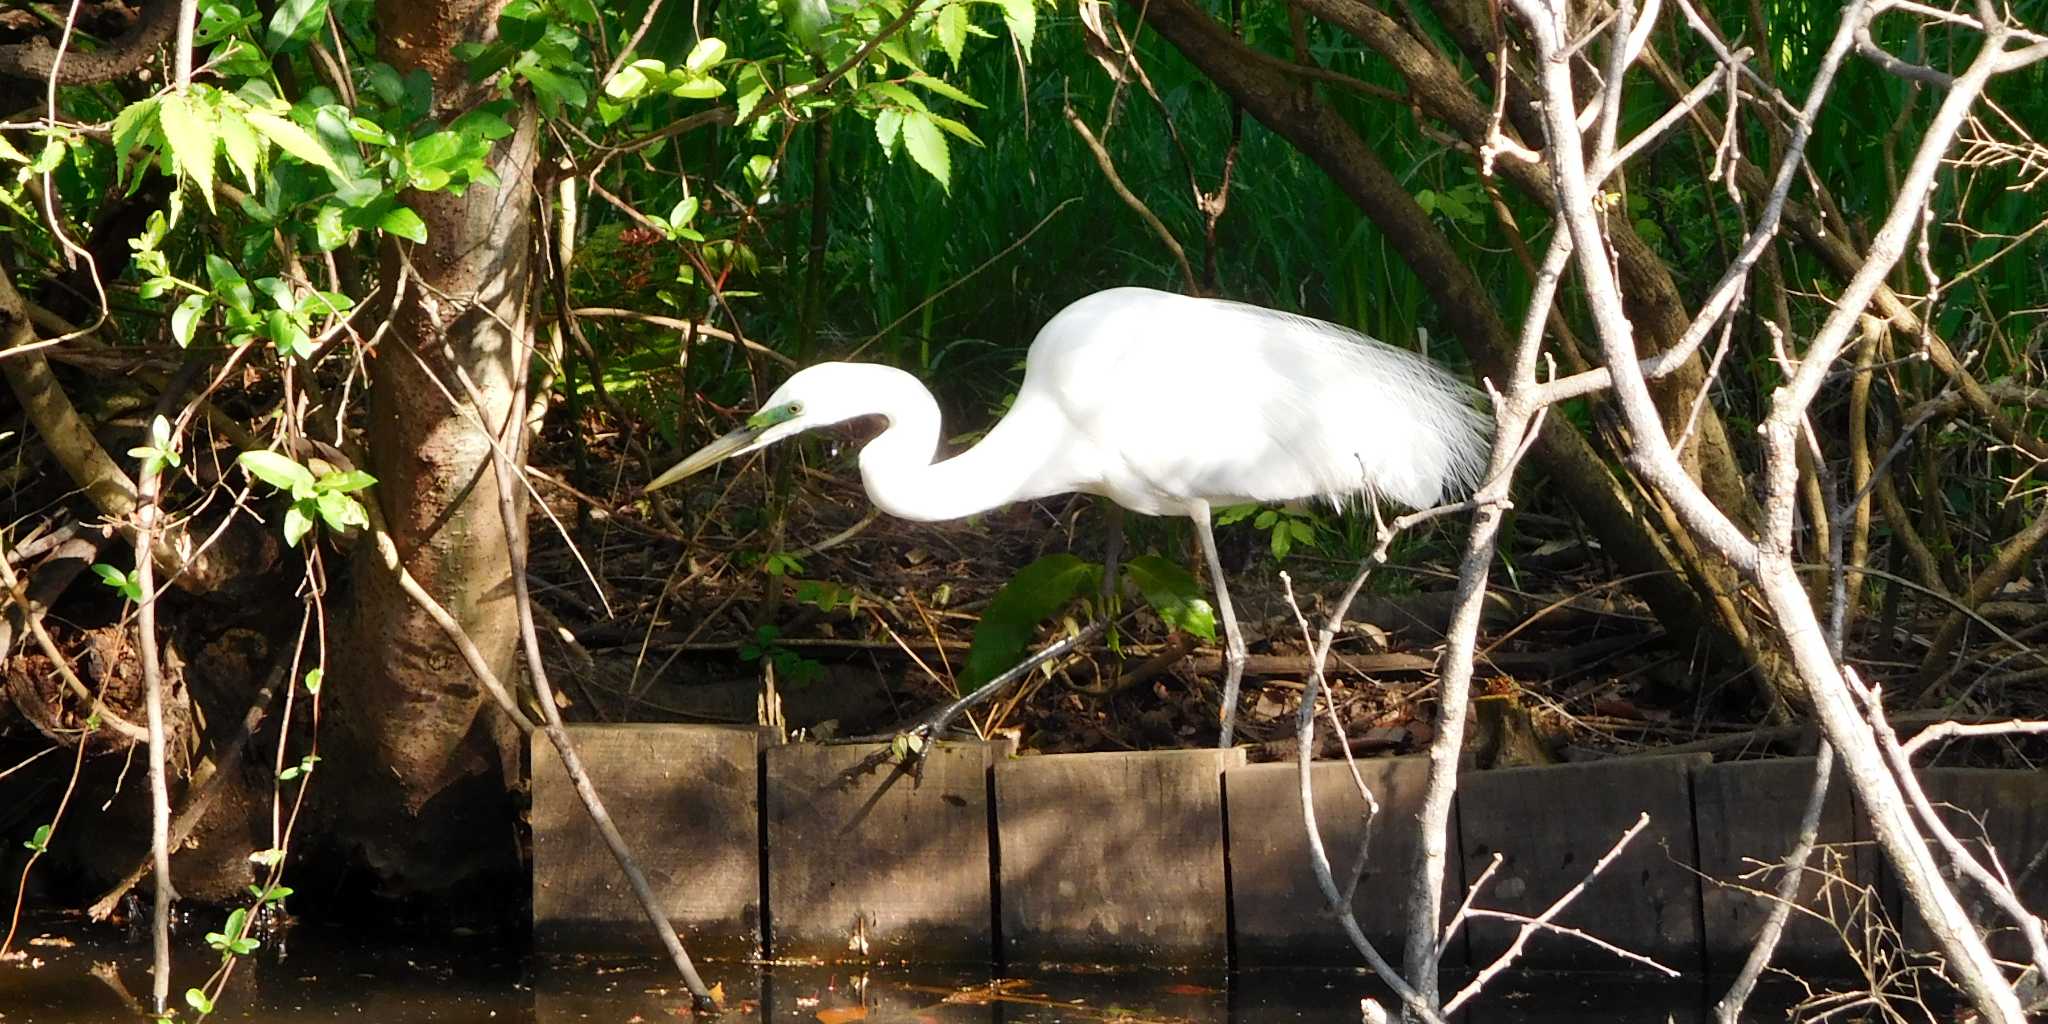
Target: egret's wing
column 1187, row 398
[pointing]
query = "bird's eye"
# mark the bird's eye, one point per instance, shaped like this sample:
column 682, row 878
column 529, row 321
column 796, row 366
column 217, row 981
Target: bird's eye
column 796, row 408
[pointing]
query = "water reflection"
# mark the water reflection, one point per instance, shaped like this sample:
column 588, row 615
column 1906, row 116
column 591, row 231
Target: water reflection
column 78, row 975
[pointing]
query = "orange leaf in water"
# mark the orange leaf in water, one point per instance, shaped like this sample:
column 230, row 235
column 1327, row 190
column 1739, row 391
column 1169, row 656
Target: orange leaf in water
column 843, row 1014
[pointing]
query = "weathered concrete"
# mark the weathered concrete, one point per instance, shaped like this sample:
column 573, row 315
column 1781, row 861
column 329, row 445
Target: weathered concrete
column 1114, row 857
column 2012, row 807
column 1279, row 912
column 1747, row 814
column 686, row 799
column 878, row 866
column 1551, row 825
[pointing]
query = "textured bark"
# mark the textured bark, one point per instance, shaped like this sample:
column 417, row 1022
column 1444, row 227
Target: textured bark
column 35, row 59
column 1294, row 112
column 428, row 803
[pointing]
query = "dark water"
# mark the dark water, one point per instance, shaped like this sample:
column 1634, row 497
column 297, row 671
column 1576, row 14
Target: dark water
column 74, row 975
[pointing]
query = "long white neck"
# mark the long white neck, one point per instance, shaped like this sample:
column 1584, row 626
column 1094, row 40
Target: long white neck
column 902, row 479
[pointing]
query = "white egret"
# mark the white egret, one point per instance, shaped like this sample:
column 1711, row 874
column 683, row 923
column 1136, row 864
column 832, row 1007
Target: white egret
column 1166, row 405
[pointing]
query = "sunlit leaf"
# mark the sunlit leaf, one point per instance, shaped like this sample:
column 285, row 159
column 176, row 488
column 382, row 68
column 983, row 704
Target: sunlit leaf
column 190, row 131
column 944, row 88
column 239, row 140
column 405, row 224
column 291, row 138
column 185, row 319
column 1022, row 18
column 951, row 26
column 275, row 469
column 1172, row 592
column 706, row 54
column 926, row 144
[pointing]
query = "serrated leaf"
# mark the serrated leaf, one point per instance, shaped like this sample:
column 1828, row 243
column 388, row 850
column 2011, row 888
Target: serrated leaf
column 956, row 129
column 190, row 132
column 132, row 124
column 244, row 149
column 1029, row 599
column 888, row 124
column 275, row 469
column 1022, row 18
column 945, row 88
column 951, row 28
column 1174, row 594
column 926, row 144
column 288, row 136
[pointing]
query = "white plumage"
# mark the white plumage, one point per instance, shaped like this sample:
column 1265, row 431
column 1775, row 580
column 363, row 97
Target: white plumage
column 1166, row 405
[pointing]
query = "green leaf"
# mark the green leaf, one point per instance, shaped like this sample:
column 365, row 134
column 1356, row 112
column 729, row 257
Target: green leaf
column 956, row 129
column 185, row 319
column 345, row 481
column 951, row 27
column 275, row 469
column 296, row 523
column 191, row 133
column 633, row 79
column 40, row 841
column 699, row 88
column 706, row 54
column 339, row 511
column 1174, row 594
column 329, row 232
column 1234, row 514
column 944, row 88
column 291, row 138
column 295, row 20
column 1022, row 18
column 927, row 146
column 244, row 149
column 197, row 1000
column 132, row 125
column 888, row 124
column 314, row 677
column 405, row 224
column 1031, row 597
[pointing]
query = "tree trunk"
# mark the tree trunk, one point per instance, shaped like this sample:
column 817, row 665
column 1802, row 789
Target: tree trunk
column 430, row 757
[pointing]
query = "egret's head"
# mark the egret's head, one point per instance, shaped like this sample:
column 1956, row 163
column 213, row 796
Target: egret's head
column 816, row 396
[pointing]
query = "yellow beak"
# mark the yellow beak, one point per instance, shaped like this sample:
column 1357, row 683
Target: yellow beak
column 709, row 455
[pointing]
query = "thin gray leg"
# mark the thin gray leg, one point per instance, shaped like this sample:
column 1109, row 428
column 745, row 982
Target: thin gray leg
column 1112, row 552
column 1233, row 650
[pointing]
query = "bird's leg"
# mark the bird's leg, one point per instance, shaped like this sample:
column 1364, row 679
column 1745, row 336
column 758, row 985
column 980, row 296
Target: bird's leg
column 1112, row 551
column 1233, row 649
